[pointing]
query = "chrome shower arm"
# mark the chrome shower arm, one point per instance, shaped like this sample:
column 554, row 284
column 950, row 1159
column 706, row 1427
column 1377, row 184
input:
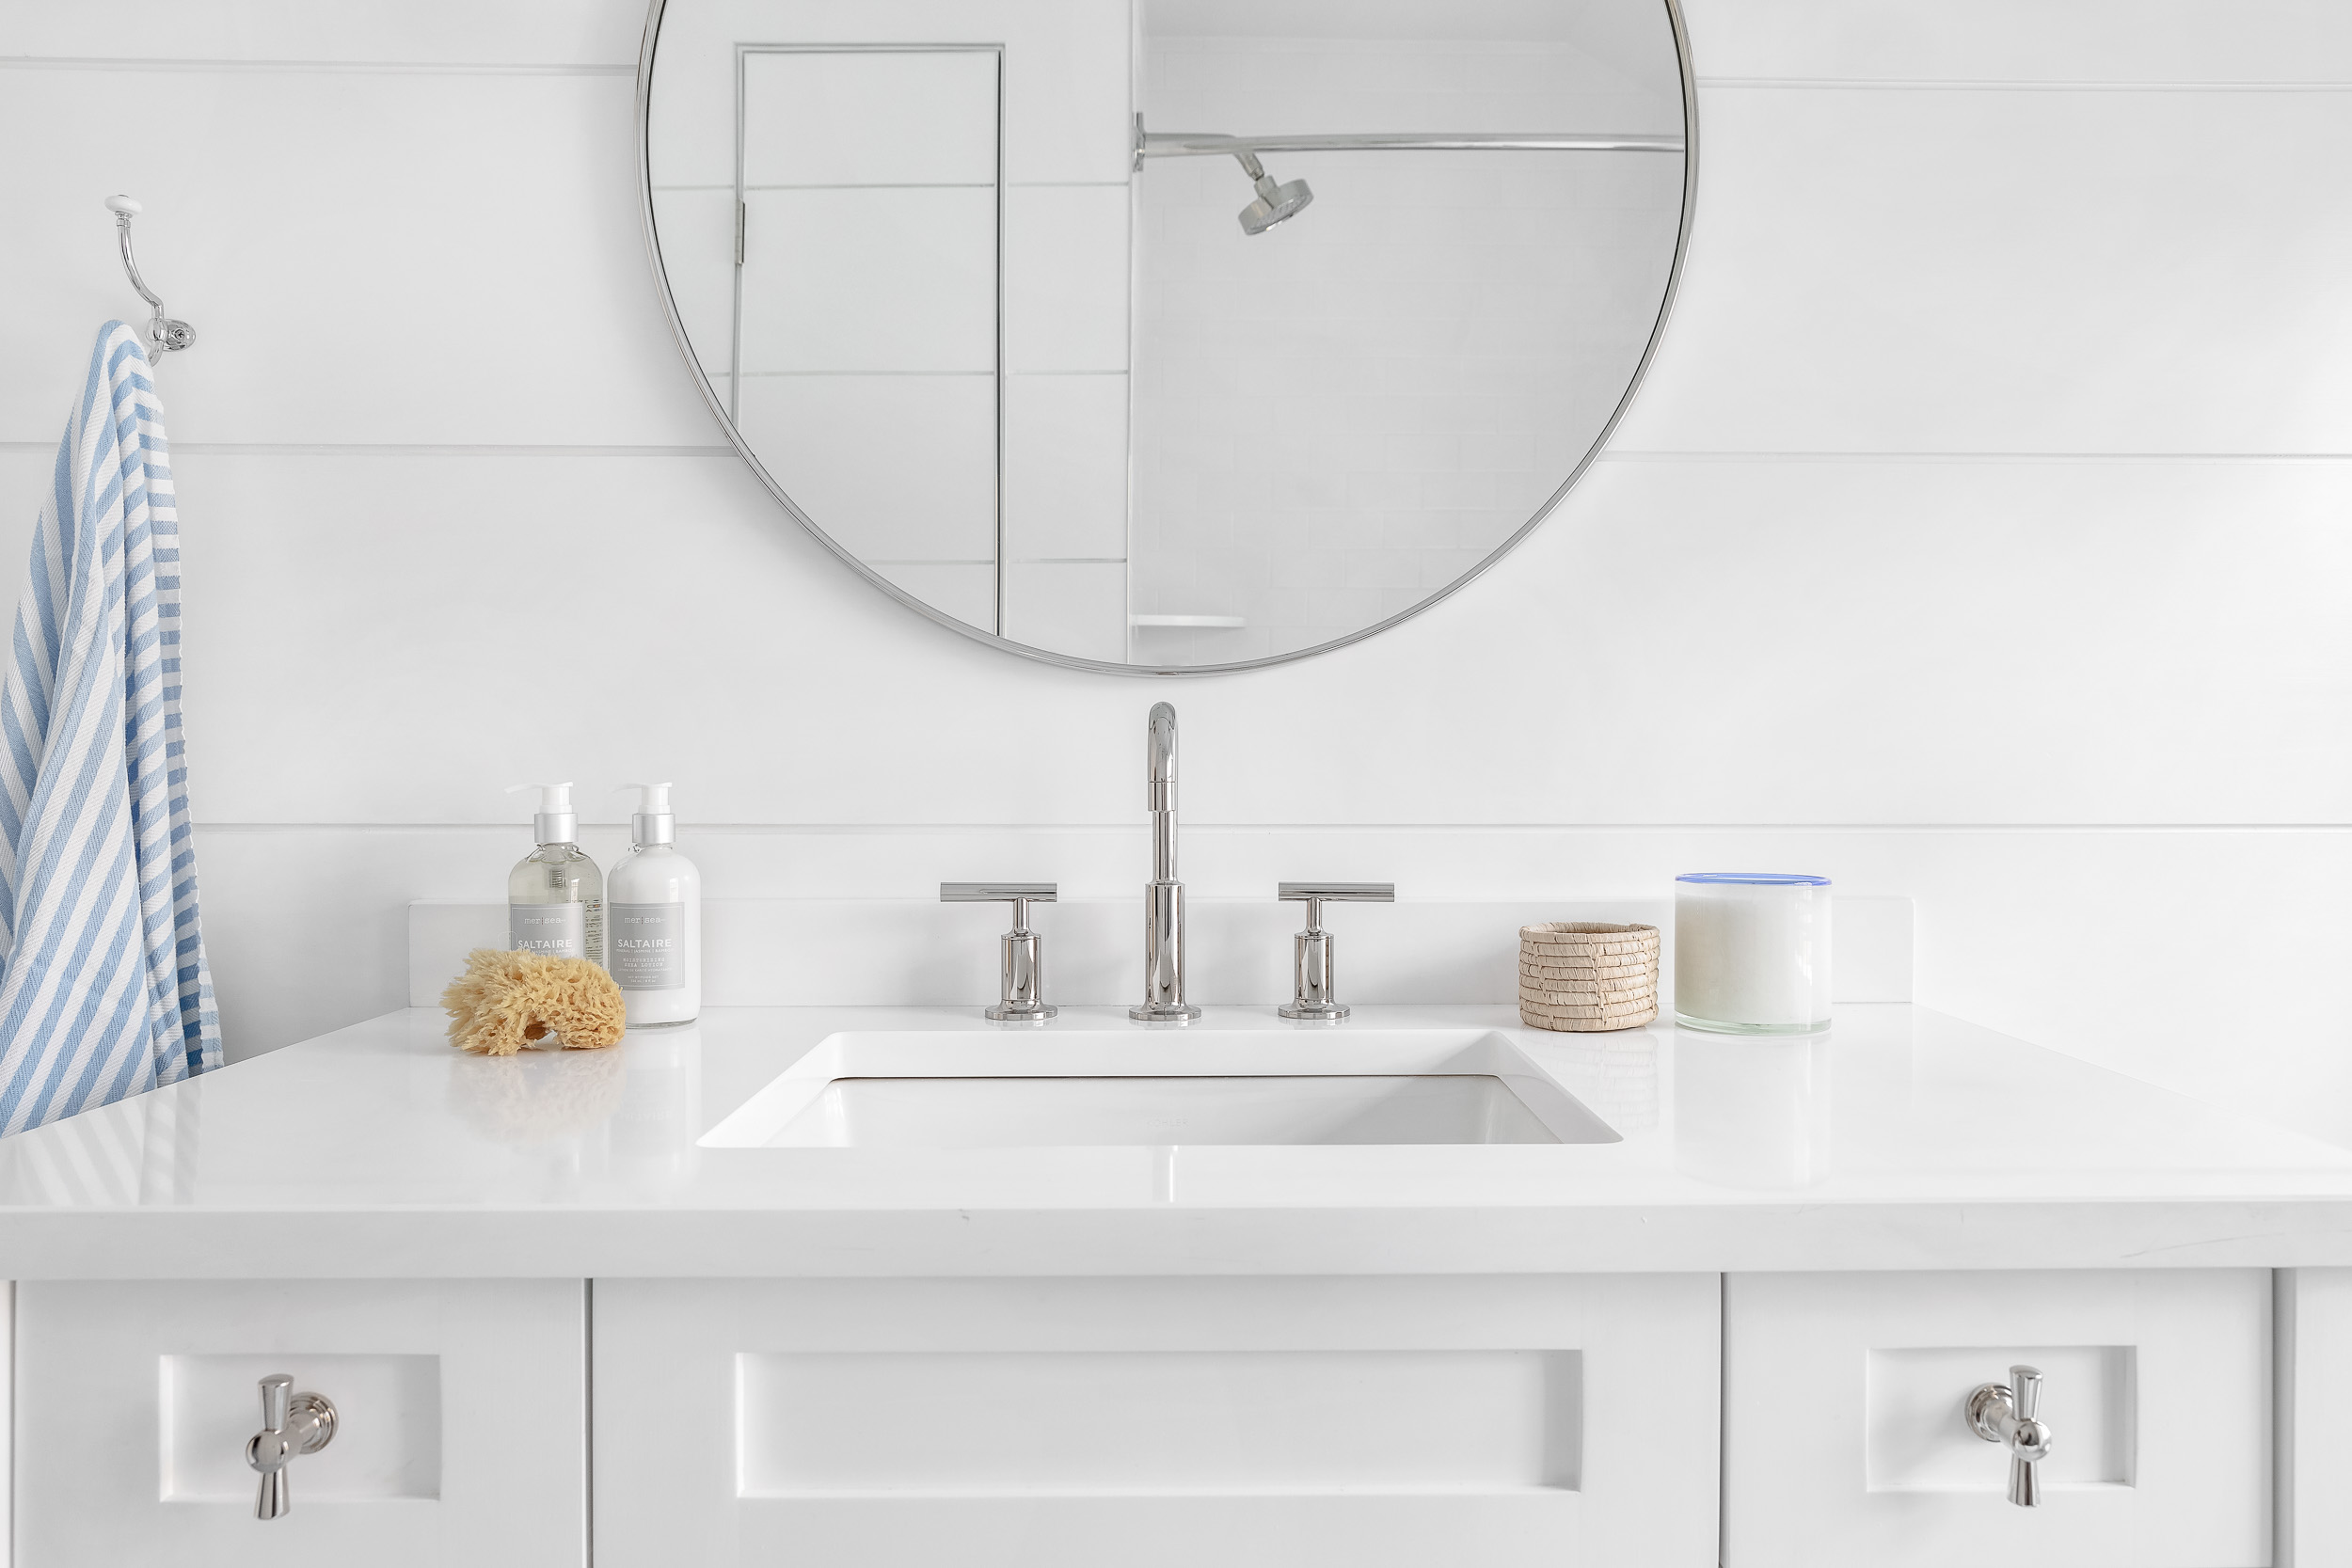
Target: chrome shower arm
column 1197, row 143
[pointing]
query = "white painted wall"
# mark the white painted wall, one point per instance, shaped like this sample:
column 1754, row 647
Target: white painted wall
column 1980, row 537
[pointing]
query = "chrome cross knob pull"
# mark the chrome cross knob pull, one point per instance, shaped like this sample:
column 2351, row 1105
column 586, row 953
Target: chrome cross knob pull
column 2004, row 1413
column 292, row 1425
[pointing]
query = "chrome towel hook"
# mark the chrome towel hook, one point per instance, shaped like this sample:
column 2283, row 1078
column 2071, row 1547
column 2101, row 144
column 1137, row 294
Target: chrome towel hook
column 162, row 334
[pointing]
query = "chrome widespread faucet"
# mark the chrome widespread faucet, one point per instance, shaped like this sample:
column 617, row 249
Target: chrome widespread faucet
column 1163, row 895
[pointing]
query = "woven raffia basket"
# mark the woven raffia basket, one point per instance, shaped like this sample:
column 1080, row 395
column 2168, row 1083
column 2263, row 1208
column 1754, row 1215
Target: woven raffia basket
column 1586, row 977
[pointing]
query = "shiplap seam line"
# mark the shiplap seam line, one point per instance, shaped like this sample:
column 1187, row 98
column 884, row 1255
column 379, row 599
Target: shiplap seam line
column 1664, row 455
column 285, row 449
column 1193, row 828
column 394, row 449
column 1896, row 84
column 365, row 67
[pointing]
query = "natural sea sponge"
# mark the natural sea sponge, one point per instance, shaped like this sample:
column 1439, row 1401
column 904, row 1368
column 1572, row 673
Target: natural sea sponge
column 506, row 1001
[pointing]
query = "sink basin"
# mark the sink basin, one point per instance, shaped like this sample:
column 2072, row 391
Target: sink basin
column 967, row 1089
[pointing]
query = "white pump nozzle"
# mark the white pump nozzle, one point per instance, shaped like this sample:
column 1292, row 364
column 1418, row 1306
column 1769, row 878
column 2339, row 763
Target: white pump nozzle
column 556, row 822
column 652, row 823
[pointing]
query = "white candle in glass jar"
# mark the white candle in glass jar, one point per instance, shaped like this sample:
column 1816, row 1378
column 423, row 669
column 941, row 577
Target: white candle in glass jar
column 1752, row 952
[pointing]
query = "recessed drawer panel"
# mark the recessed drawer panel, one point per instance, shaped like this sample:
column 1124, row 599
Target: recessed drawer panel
column 979, row 1424
column 1167, row 1423
column 459, row 1439
column 1847, row 1441
column 387, row 1426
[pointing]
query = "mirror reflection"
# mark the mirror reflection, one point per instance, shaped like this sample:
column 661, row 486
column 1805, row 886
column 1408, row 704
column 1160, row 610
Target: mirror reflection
column 1174, row 334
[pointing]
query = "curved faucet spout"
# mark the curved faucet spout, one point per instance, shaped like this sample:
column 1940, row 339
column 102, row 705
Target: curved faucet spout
column 1159, row 788
column 1163, row 897
column 1159, row 758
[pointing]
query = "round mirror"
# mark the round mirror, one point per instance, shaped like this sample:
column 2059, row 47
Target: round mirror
column 1173, row 335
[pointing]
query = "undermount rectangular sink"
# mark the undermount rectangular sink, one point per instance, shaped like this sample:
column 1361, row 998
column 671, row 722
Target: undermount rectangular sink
column 1105, row 1087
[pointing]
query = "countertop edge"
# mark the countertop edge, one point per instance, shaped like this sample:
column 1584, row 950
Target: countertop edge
column 768, row 1244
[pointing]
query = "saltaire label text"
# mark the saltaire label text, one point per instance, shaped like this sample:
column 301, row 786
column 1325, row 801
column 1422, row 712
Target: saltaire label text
column 559, row 930
column 648, row 944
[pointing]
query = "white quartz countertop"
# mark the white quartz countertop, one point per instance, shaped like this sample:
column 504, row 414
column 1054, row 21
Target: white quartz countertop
column 1902, row 1139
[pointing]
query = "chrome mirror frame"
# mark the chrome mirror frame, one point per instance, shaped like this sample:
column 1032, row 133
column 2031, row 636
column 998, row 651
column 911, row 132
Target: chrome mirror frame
column 1067, row 661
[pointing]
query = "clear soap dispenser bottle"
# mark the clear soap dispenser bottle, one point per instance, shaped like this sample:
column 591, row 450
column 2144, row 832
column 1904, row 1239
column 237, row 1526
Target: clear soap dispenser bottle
column 555, row 894
column 657, row 919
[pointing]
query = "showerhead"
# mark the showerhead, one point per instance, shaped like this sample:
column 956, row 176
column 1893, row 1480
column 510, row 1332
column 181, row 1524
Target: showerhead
column 1275, row 202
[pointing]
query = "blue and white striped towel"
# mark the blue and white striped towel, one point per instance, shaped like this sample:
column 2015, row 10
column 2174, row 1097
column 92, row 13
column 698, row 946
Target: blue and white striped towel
column 103, row 990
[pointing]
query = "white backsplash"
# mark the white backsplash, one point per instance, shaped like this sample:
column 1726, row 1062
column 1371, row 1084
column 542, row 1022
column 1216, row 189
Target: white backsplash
column 863, row 952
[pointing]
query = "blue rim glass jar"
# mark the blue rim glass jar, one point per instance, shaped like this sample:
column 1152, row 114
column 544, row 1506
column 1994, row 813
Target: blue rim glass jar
column 1752, row 952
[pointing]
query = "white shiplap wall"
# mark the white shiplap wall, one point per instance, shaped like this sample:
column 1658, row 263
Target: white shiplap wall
column 1980, row 537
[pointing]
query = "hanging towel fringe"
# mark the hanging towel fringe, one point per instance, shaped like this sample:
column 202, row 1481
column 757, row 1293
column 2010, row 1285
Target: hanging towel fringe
column 103, row 987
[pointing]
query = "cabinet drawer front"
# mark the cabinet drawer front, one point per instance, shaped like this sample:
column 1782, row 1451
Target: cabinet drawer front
column 1845, row 1440
column 868, row 1424
column 460, row 1434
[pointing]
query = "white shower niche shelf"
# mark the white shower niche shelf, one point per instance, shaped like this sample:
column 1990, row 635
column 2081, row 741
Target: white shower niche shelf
column 914, row 1090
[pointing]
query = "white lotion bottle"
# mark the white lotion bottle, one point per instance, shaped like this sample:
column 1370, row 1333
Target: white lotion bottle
column 555, row 894
column 656, row 919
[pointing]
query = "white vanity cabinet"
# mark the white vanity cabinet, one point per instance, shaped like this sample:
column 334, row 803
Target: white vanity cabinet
column 1278, row 1356
column 2313, row 1322
column 1251, row 1422
column 1154, row 1423
column 460, row 1438
column 1846, row 1443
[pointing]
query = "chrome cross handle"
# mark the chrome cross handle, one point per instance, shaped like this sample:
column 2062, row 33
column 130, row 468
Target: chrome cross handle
column 2004, row 1413
column 1311, row 994
column 1022, row 964
column 292, row 1425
